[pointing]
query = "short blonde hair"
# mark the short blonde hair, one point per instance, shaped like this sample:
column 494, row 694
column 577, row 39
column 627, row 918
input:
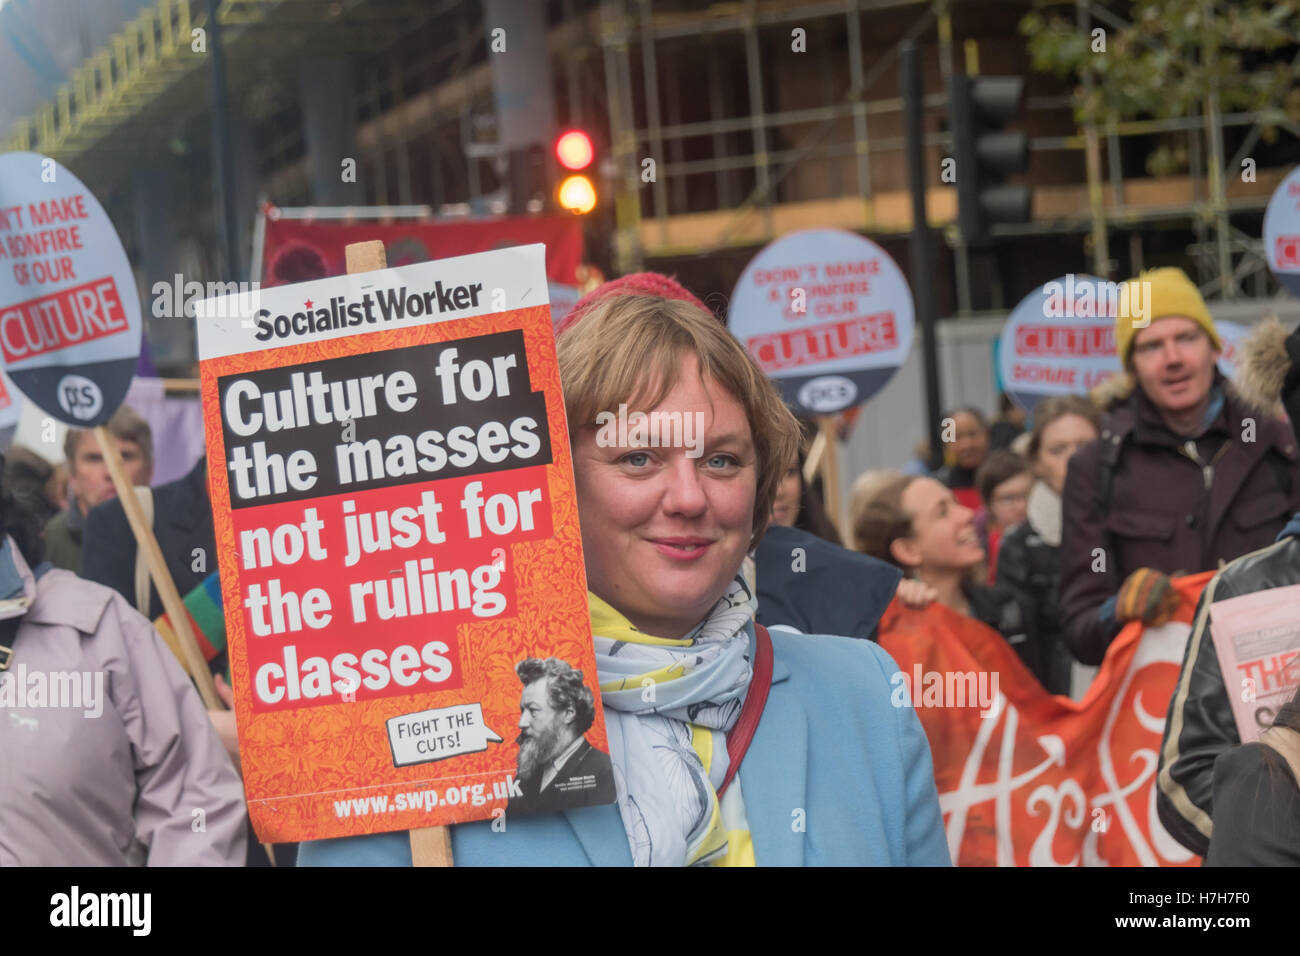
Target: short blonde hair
column 879, row 518
column 864, row 490
column 628, row 349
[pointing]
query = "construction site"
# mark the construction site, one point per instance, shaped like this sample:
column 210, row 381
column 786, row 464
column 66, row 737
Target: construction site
column 715, row 127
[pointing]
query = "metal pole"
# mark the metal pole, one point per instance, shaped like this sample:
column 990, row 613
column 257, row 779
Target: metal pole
column 650, row 75
column 921, row 271
column 571, row 74
column 1218, row 195
column 378, row 157
column 1195, row 167
column 943, row 24
column 223, row 163
column 403, row 144
column 676, row 151
column 466, row 119
column 757, row 118
column 1116, row 166
column 436, row 168
column 1092, row 155
column 861, row 146
column 722, row 181
column 961, row 265
column 259, row 241
column 960, row 251
column 634, row 253
column 618, row 84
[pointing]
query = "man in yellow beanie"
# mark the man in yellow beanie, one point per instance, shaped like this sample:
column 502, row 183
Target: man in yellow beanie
column 1173, row 361
column 1184, row 477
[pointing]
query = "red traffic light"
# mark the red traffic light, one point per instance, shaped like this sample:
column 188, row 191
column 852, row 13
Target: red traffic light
column 574, row 150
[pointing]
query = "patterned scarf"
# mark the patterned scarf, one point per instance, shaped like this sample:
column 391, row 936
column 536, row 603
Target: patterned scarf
column 669, row 704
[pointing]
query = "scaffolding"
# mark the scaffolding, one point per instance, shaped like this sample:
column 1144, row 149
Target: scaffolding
column 151, row 78
column 1104, row 203
column 626, row 57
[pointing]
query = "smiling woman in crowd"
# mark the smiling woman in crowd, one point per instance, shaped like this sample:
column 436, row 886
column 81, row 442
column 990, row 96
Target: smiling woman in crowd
column 920, row 526
column 833, row 774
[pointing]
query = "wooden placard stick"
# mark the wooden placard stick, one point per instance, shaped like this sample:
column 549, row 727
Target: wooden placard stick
column 180, row 386
column 812, row 462
column 191, row 658
column 430, row 846
column 830, row 469
column 162, row 579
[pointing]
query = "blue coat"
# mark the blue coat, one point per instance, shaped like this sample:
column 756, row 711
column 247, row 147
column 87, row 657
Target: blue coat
column 809, row 597
column 835, row 776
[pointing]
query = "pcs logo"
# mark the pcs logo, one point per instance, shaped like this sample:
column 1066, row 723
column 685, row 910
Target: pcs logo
column 79, row 397
column 827, row 393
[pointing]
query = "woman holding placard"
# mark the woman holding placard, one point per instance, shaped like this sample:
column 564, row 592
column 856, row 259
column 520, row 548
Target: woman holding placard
column 829, row 772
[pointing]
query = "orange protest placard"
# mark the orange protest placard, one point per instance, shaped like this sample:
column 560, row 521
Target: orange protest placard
column 1028, row 778
column 397, row 529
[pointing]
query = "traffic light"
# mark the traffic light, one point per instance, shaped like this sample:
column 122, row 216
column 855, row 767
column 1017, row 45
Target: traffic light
column 575, row 153
column 980, row 107
column 529, row 179
column 574, row 150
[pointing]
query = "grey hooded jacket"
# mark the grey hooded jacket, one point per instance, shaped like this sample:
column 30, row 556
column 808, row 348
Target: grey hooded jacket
column 107, row 755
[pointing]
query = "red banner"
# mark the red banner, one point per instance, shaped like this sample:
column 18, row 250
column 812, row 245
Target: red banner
column 297, row 250
column 1028, row 778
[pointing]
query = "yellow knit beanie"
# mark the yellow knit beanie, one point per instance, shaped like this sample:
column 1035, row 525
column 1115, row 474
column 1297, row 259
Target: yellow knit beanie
column 1158, row 294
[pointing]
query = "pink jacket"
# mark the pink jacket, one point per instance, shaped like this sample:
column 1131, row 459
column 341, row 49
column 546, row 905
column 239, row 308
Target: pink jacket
column 107, row 756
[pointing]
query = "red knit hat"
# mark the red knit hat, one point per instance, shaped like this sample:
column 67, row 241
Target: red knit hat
column 638, row 283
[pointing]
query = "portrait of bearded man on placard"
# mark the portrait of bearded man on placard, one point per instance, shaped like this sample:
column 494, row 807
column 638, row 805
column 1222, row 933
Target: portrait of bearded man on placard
column 557, row 767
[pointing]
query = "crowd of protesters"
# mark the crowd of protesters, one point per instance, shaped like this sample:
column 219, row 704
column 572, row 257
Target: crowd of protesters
column 1169, row 470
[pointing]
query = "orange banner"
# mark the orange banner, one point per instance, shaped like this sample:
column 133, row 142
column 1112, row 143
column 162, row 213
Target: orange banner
column 1028, row 778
